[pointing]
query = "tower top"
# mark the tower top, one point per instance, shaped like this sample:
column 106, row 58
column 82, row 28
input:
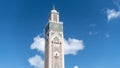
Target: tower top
column 54, row 15
column 53, row 10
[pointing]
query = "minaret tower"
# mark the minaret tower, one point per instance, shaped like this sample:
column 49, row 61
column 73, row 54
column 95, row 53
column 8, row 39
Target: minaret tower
column 54, row 41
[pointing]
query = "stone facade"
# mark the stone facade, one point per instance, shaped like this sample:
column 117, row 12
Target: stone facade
column 54, row 42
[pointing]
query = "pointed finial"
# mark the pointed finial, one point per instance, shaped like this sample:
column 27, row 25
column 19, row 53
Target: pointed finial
column 53, row 7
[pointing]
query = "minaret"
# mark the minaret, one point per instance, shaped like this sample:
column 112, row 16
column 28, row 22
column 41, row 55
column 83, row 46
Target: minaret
column 54, row 41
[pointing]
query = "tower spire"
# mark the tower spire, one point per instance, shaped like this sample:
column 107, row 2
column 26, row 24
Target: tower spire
column 53, row 7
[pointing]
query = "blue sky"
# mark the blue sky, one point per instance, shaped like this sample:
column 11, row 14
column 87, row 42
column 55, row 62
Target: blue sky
column 94, row 22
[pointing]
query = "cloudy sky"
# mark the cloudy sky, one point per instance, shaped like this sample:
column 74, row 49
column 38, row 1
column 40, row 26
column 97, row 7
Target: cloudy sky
column 91, row 32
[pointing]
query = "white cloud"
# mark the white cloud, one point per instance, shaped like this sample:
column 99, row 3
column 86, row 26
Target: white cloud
column 38, row 43
column 72, row 45
column 36, row 61
column 112, row 14
column 76, row 66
